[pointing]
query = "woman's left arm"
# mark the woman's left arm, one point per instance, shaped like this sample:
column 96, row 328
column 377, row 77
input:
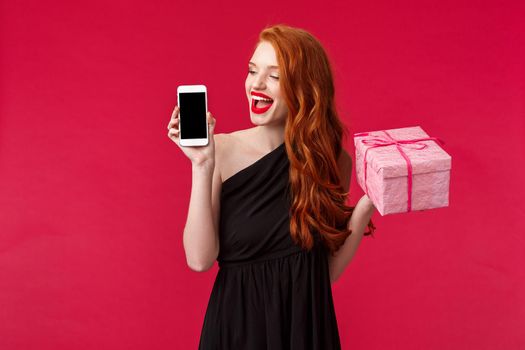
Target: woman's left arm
column 358, row 222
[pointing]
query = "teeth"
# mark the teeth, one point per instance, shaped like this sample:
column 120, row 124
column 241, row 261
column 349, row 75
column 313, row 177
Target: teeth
column 261, row 99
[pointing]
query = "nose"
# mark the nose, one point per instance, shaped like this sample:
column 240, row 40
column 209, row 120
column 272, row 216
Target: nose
column 258, row 82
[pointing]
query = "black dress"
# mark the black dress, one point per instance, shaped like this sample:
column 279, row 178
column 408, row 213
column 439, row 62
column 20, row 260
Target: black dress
column 269, row 293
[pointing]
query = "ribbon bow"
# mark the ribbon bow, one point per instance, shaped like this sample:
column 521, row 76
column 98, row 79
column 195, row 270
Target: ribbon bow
column 378, row 141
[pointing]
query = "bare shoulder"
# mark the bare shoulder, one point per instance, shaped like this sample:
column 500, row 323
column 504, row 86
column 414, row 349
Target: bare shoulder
column 240, row 137
column 229, row 139
column 225, row 144
column 232, row 152
column 222, row 141
column 219, row 140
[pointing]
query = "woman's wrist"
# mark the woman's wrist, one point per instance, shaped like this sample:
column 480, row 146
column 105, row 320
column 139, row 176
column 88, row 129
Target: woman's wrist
column 203, row 167
column 368, row 205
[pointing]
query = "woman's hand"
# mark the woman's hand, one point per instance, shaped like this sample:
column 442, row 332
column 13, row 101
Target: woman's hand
column 365, row 204
column 198, row 155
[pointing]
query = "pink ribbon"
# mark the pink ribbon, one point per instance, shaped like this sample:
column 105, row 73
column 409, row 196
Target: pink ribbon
column 377, row 141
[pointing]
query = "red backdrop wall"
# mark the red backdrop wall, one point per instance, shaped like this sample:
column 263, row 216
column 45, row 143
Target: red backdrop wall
column 94, row 196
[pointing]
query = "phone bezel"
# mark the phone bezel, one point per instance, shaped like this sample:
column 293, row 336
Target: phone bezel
column 190, row 89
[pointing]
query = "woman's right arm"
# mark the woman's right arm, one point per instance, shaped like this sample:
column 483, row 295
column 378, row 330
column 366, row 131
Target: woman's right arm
column 200, row 237
column 201, row 233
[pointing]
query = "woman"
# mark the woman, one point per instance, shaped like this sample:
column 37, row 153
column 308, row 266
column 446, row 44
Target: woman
column 268, row 203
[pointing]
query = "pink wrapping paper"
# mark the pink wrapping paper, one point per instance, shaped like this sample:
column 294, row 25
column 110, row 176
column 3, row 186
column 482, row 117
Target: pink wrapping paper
column 391, row 155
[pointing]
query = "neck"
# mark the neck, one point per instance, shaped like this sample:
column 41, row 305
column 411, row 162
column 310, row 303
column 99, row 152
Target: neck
column 268, row 136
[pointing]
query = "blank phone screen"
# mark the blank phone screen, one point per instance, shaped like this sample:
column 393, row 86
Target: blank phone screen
column 192, row 115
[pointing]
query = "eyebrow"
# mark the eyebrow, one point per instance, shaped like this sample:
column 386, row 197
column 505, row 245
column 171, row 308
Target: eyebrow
column 271, row 67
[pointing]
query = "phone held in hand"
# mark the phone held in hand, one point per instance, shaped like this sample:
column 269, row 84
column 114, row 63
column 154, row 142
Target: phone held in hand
column 193, row 103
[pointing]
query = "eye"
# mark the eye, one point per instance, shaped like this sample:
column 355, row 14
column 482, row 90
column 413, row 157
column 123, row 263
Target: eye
column 276, row 78
column 251, row 71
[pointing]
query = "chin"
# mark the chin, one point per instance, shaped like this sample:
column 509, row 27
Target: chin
column 259, row 119
column 266, row 120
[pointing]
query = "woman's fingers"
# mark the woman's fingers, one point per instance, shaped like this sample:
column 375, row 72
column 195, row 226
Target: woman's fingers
column 173, row 134
column 209, row 119
column 174, row 117
column 173, row 122
column 175, row 113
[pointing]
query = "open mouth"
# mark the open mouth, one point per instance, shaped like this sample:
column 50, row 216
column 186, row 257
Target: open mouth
column 260, row 104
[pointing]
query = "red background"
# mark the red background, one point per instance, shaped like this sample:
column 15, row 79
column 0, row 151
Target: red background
column 94, row 196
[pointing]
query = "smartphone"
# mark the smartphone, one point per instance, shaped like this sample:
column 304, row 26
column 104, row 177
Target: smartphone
column 193, row 103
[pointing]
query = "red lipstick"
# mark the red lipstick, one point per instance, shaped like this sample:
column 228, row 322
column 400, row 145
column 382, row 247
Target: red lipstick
column 260, row 94
column 261, row 110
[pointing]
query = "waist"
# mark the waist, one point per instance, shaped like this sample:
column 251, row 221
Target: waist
column 269, row 257
column 263, row 259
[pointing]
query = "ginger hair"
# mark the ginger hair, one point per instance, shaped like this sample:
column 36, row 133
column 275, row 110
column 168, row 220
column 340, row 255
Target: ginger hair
column 313, row 138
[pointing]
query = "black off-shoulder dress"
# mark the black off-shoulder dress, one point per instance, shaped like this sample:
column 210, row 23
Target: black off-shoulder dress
column 269, row 293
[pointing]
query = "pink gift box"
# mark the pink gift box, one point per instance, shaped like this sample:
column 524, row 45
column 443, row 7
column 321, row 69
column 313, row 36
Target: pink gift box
column 405, row 169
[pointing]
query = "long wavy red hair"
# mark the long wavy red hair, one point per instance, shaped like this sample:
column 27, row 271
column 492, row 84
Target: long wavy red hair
column 313, row 138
